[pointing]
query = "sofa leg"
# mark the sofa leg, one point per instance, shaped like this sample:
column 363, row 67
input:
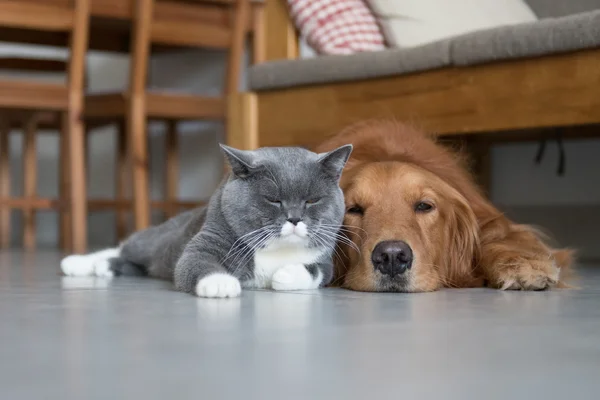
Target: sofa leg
column 242, row 121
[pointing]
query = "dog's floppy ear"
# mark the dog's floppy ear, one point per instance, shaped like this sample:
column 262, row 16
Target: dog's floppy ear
column 334, row 161
column 463, row 252
column 242, row 162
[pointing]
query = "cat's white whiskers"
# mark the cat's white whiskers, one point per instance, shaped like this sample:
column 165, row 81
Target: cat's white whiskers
column 335, row 238
column 344, row 226
column 241, row 240
column 339, row 238
column 348, row 243
column 245, row 251
column 252, row 250
column 247, row 246
column 341, row 233
column 338, row 229
column 238, row 246
column 333, row 248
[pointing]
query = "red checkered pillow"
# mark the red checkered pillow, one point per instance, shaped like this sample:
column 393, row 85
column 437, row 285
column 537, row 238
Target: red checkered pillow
column 337, row 26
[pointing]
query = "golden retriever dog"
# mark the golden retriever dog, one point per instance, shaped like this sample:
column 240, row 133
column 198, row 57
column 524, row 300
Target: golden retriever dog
column 416, row 221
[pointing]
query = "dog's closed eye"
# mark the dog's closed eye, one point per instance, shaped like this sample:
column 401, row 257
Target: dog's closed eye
column 356, row 209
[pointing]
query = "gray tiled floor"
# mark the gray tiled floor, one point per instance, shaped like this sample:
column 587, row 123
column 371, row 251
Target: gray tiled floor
column 74, row 338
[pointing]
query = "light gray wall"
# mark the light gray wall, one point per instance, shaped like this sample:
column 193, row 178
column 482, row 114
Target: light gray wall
column 569, row 206
column 517, row 181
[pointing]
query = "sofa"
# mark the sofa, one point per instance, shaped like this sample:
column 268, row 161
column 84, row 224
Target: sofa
column 515, row 82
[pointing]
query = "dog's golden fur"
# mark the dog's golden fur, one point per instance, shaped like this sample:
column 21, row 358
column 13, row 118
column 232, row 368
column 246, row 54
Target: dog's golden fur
column 463, row 241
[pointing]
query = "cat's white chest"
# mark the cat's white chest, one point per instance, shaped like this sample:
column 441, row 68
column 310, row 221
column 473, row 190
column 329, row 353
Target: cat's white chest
column 268, row 260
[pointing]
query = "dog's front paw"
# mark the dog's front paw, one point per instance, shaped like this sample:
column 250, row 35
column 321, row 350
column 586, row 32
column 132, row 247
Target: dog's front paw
column 293, row 277
column 218, row 285
column 526, row 274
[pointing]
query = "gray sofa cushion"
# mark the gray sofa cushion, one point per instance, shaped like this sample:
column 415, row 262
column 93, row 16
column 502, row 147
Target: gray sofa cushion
column 561, row 8
column 580, row 31
column 571, row 33
column 327, row 69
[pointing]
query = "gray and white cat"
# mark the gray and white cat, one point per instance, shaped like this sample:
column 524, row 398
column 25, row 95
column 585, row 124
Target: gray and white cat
column 272, row 223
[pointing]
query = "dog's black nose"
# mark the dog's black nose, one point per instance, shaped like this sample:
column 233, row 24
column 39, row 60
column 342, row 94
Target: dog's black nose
column 294, row 221
column 392, row 257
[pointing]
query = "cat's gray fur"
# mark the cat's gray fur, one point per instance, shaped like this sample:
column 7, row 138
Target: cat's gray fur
column 211, row 239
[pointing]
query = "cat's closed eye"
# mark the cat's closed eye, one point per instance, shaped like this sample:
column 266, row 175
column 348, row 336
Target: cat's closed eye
column 312, row 201
column 273, row 201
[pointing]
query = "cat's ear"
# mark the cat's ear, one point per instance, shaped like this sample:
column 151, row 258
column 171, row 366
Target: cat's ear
column 333, row 162
column 241, row 161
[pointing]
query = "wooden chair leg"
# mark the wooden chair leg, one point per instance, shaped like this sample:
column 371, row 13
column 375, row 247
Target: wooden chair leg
column 121, row 173
column 234, row 61
column 76, row 129
column 30, row 182
column 65, row 187
column 172, row 172
column 77, row 179
column 4, row 186
column 136, row 116
column 236, row 51
column 139, row 164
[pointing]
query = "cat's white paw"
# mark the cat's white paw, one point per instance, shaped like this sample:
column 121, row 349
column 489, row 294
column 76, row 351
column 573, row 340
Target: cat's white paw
column 293, row 277
column 218, row 285
column 85, row 264
column 77, row 265
column 102, row 269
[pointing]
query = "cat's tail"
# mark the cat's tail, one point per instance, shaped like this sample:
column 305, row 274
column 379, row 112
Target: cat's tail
column 105, row 263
